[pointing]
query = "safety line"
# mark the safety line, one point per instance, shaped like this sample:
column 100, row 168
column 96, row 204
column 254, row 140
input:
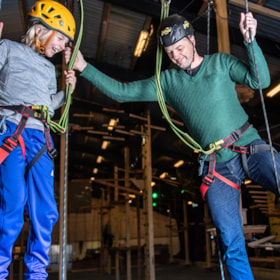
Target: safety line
column 63, row 124
column 264, row 110
column 184, row 136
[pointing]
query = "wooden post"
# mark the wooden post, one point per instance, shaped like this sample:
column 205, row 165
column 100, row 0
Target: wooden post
column 170, row 238
column 102, row 255
column 139, row 255
column 116, row 198
column 147, row 200
column 186, row 233
column 127, row 212
column 207, row 237
column 222, row 26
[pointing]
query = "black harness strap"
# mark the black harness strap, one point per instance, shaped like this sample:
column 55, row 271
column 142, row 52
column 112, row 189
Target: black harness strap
column 249, row 150
column 36, row 158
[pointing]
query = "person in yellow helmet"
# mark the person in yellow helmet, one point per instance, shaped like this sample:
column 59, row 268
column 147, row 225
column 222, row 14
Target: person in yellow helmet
column 27, row 85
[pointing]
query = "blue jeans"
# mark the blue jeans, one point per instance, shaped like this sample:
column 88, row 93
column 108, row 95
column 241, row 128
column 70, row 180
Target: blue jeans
column 224, row 202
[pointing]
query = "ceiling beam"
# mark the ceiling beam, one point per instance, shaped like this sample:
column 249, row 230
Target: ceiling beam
column 23, row 13
column 103, row 30
column 256, row 8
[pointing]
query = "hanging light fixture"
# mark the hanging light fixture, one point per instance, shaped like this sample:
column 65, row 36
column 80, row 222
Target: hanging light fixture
column 143, row 41
column 273, row 91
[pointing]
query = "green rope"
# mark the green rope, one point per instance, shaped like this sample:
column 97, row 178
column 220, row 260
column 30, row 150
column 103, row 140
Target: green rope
column 63, row 122
column 185, row 137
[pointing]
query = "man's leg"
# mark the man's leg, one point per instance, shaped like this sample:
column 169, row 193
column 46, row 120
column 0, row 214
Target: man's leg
column 224, row 205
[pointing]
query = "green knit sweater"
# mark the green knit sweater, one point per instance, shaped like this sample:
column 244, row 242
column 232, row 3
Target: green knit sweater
column 207, row 102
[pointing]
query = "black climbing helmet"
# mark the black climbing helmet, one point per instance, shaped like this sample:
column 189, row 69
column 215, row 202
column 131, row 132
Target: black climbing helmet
column 173, row 28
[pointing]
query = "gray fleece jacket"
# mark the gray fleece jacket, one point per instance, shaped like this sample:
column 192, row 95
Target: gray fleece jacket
column 26, row 78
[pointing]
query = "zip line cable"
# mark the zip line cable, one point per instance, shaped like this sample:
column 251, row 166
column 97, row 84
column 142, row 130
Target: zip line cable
column 264, row 109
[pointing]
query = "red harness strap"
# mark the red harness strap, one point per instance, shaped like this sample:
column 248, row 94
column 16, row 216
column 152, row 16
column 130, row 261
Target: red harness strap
column 223, row 144
column 13, row 141
column 204, row 187
column 16, row 139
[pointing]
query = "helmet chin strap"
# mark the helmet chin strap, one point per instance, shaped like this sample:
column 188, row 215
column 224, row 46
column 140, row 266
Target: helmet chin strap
column 190, row 65
column 41, row 47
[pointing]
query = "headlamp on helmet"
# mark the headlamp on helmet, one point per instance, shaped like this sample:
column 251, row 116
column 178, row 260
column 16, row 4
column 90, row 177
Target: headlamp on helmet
column 173, row 29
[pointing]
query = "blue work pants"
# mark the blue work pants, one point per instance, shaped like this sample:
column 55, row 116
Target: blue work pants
column 33, row 192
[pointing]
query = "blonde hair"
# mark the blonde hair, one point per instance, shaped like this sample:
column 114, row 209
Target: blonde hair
column 30, row 38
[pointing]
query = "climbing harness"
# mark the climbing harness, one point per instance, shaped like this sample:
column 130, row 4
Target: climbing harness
column 228, row 143
column 16, row 139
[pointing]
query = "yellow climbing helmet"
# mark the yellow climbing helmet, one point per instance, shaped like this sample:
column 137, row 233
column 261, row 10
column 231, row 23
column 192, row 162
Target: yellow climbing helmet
column 54, row 16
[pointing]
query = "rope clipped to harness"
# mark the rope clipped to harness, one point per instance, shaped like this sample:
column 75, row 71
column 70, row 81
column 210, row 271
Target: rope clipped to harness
column 264, row 113
column 184, row 136
column 63, row 122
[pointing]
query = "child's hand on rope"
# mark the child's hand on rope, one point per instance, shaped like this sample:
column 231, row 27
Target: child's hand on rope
column 71, row 79
column 1, row 28
column 80, row 63
column 248, row 26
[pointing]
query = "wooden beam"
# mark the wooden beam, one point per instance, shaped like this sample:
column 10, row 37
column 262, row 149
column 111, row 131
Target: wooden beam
column 254, row 187
column 222, row 26
column 108, row 184
column 103, row 30
column 256, row 8
column 23, row 13
column 258, row 192
column 257, row 243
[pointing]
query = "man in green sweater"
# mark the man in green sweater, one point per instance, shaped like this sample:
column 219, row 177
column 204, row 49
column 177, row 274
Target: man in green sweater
column 202, row 91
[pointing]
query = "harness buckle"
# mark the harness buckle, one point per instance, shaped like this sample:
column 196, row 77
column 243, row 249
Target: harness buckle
column 52, row 153
column 207, row 180
column 252, row 149
column 37, row 115
column 11, row 142
column 217, row 145
column 234, row 137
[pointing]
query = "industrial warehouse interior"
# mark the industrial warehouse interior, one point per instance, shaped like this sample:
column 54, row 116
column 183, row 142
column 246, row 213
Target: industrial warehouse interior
column 111, row 150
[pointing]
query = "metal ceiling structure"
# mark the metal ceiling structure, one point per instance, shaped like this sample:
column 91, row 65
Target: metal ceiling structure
column 111, row 30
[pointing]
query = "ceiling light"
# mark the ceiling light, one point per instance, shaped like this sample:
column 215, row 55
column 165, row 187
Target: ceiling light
column 273, row 91
column 153, row 184
column 178, row 163
column 95, row 170
column 247, row 182
column 112, row 124
column 105, row 144
column 142, row 43
column 99, row 159
column 163, row 175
